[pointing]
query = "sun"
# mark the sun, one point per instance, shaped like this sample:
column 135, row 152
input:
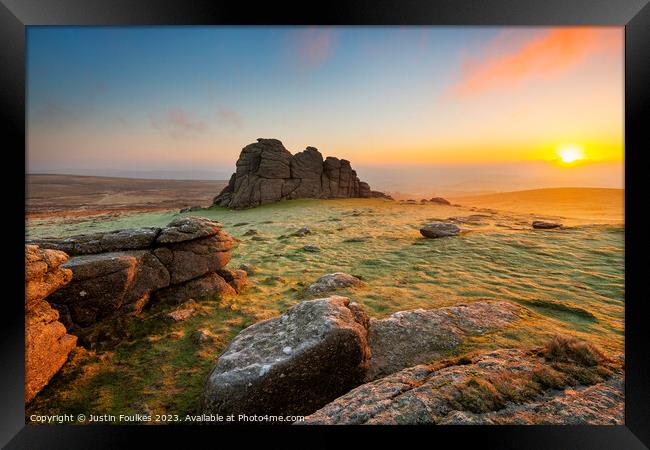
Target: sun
column 570, row 153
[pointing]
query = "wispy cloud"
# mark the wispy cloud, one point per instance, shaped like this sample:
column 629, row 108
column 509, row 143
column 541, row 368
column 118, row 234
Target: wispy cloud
column 312, row 46
column 540, row 56
column 178, row 123
column 229, row 116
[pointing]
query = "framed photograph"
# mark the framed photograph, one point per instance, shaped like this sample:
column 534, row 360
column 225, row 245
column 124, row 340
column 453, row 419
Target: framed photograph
column 305, row 220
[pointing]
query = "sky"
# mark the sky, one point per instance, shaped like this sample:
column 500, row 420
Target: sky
column 441, row 106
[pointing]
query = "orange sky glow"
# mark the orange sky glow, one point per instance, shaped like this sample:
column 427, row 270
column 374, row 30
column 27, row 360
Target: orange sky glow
column 375, row 97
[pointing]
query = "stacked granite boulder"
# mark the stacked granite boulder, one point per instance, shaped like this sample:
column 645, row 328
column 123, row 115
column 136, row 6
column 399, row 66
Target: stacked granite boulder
column 115, row 274
column 267, row 172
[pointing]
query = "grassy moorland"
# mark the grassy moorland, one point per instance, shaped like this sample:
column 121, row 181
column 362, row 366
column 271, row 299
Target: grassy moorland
column 569, row 280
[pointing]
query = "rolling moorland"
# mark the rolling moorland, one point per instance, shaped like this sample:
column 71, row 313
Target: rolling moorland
column 568, row 280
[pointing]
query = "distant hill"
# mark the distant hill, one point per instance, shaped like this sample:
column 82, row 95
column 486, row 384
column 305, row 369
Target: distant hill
column 48, row 194
column 592, row 204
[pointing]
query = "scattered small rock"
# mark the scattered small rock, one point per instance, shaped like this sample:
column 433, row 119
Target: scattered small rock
column 241, row 224
column 543, row 225
column 179, row 315
column 190, row 209
column 274, row 279
column 202, row 336
column 248, row 268
column 237, row 278
column 301, row 232
column 250, row 232
column 331, row 282
column 357, row 239
column 311, row 248
column 439, row 201
column 439, row 229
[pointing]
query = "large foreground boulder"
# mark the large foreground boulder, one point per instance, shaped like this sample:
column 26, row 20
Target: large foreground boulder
column 47, row 343
column 267, row 172
column 510, row 386
column 408, row 338
column 292, row 364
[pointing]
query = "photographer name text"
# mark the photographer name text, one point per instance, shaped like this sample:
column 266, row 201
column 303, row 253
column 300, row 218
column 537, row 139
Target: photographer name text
column 161, row 418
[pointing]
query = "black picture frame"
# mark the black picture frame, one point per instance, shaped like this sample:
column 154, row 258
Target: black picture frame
column 16, row 15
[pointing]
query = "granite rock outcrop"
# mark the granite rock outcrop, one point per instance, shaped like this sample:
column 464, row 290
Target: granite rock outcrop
column 267, row 172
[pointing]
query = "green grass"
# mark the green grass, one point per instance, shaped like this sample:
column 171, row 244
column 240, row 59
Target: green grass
column 570, row 282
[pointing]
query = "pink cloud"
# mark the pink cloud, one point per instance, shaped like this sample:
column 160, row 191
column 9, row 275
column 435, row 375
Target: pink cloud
column 312, row 46
column 539, row 56
column 178, row 123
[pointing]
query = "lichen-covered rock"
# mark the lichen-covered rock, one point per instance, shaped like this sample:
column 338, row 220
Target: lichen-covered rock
column 267, row 172
column 408, row 338
column 192, row 259
column 47, row 343
column 292, row 364
column 600, row 404
column 332, row 282
column 43, row 272
column 102, row 242
column 111, row 281
column 435, row 230
column 208, row 286
column 508, row 386
column 184, row 229
column 106, row 283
